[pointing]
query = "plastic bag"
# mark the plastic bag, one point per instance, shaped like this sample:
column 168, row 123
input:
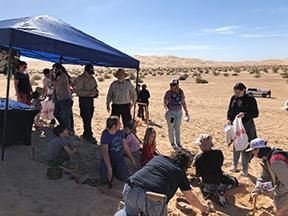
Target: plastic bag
column 230, row 136
column 47, row 109
column 241, row 138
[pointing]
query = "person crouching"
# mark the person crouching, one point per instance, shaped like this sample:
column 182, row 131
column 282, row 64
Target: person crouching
column 208, row 165
column 59, row 152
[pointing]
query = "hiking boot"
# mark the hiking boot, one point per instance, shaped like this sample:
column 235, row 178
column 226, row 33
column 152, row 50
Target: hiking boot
column 244, row 174
column 234, row 168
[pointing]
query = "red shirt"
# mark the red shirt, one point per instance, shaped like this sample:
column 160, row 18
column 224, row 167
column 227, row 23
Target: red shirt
column 148, row 153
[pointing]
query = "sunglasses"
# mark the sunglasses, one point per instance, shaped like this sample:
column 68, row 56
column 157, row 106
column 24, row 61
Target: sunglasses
column 173, row 84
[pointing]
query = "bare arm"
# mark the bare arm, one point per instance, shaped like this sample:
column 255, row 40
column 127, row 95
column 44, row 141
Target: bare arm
column 193, row 200
column 184, row 106
column 16, row 87
column 69, row 151
column 109, row 97
column 106, row 157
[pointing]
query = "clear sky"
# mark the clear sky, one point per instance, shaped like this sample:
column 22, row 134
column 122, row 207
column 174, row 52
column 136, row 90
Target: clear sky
column 208, row 29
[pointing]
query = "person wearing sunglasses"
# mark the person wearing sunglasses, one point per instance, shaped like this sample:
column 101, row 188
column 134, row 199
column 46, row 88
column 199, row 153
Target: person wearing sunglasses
column 22, row 84
column 174, row 100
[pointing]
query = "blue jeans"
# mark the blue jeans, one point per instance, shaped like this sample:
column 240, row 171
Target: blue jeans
column 136, row 202
column 174, row 119
column 120, row 170
column 63, row 113
column 245, row 156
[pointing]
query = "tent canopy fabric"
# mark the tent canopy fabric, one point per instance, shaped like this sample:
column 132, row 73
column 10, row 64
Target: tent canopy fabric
column 50, row 39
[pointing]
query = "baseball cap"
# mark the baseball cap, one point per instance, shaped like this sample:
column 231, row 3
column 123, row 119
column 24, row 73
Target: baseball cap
column 174, row 81
column 257, row 144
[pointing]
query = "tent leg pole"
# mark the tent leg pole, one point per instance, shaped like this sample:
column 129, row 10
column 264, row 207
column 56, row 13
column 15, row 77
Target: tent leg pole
column 4, row 140
column 137, row 80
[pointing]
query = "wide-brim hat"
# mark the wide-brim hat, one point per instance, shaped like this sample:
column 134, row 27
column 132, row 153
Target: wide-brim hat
column 285, row 107
column 257, row 143
column 120, row 71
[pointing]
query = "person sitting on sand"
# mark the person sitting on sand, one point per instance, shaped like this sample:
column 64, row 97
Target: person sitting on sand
column 149, row 146
column 59, row 152
column 208, row 165
column 150, row 189
column 133, row 143
column 274, row 171
column 113, row 142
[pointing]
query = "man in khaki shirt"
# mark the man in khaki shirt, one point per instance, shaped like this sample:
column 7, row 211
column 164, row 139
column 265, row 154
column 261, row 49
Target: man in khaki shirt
column 86, row 89
column 122, row 95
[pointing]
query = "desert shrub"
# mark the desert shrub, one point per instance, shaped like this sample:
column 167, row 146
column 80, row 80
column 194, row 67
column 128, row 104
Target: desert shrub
column 235, row 74
column 154, row 74
column 107, row 76
column 284, row 75
column 275, row 70
column 33, row 82
column 257, row 75
column 199, row 80
column 226, row 74
column 36, row 77
column 183, row 77
column 132, row 76
column 215, row 73
column 101, row 79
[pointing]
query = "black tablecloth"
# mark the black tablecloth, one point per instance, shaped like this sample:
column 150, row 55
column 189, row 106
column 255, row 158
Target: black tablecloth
column 19, row 126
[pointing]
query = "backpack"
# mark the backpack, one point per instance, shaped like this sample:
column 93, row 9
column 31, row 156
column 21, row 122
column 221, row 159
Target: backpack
column 279, row 155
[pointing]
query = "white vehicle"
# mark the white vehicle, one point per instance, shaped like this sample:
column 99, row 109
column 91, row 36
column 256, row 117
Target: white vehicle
column 258, row 92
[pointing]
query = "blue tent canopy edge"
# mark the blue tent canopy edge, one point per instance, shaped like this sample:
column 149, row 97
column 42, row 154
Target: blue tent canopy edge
column 50, row 39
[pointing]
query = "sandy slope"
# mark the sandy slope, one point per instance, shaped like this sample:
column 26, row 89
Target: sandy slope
column 24, row 190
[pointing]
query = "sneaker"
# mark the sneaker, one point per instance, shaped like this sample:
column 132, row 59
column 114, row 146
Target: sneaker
column 175, row 147
column 244, row 174
column 179, row 145
column 234, row 168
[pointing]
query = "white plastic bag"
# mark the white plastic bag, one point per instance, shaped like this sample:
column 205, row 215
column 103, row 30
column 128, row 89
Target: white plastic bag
column 240, row 137
column 230, row 136
column 47, row 109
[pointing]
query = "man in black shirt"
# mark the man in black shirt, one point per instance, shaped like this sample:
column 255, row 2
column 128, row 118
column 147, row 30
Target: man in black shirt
column 162, row 175
column 143, row 97
column 208, row 165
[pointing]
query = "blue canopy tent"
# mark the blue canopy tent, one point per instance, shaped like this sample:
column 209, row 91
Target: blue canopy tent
column 50, row 39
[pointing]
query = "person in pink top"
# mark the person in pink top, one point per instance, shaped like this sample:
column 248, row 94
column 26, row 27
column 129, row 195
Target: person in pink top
column 133, row 143
column 149, row 146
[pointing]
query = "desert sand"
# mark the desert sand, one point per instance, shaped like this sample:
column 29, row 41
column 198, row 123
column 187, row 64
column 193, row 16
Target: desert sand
column 25, row 191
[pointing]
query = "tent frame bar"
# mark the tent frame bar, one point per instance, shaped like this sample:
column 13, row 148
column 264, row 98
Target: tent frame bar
column 4, row 137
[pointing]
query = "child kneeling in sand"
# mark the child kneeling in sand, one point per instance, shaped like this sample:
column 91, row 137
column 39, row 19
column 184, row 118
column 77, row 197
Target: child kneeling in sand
column 208, row 165
column 113, row 142
column 133, row 143
column 149, row 146
column 59, row 151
